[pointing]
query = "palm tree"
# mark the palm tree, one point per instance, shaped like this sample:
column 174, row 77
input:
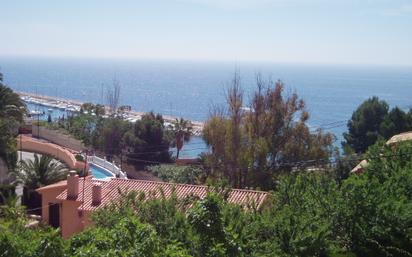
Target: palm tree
column 182, row 130
column 11, row 106
column 40, row 171
column 11, row 208
column 12, row 109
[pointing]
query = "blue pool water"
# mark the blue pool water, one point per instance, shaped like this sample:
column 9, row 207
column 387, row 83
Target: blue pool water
column 99, row 172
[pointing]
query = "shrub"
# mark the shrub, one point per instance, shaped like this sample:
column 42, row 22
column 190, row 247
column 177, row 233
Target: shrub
column 177, row 174
column 79, row 157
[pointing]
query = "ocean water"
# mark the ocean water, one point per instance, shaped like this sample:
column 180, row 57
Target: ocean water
column 189, row 89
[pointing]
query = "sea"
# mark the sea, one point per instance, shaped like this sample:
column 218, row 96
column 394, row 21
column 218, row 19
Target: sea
column 191, row 89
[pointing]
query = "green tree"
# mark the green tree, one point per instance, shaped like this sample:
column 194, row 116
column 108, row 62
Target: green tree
column 251, row 145
column 90, row 108
column 177, row 174
column 308, row 214
column 372, row 121
column 182, row 130
column 150, row 142
column 100, row 110
column 364, row 126
column 40, row 171
column 375, row 212
column 206, row 219
column 16, row 240
column 12, row 110
column 108, row 135
column 11, row 106
column 397, row 121
column 83, row 127
column 128, row 237
column 8, row 144
column 11, row 208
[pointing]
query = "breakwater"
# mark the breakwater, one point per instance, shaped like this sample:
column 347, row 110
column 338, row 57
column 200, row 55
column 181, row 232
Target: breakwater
column 70, row 105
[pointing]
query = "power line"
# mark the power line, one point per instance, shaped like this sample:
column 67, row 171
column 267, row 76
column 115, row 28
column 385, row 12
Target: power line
column 328, row 160
column 37, row 208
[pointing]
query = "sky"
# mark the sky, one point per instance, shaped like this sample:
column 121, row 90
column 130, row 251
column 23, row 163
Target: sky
column 281, row 31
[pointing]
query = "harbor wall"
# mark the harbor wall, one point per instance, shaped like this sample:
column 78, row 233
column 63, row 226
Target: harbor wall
column 58, row 138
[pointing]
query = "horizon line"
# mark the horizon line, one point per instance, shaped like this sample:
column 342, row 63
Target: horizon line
column 207, row 60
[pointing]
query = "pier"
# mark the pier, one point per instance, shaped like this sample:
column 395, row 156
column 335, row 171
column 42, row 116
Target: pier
column 75, row 106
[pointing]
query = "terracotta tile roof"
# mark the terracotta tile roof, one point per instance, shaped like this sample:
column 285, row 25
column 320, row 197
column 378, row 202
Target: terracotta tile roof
column 360, row 167
column 111, row 191
column 406, row 136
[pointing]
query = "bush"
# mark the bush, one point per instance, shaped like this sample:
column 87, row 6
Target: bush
column 6, row 191
column 17, row 241
column 177, row 174
column 128, row 237
column 376, row 210
column 79, row 157
column 308, row 215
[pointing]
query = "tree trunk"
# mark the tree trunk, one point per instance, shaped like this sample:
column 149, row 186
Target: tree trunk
column 33, row 201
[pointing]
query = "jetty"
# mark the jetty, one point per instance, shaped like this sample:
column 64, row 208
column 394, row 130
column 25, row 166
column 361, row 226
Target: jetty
column 75, row 106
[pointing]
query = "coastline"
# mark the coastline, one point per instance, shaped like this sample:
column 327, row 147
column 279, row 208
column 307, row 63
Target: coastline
column 74, row 106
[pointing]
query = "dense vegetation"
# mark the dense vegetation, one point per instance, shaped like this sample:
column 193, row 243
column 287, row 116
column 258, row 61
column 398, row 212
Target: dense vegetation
column 12, row 110
column 251, row 147
column 308, row 215
column 145, row 141
column 178, row 174
column 314, row 209
column 32, row 174
column 372, row 121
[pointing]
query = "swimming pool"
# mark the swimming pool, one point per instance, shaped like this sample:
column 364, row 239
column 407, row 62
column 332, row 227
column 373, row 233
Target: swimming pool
column 99, row 172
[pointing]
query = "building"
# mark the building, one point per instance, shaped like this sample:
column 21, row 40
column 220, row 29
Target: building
column 406, row 136
column 68, row 204
column 393, row 141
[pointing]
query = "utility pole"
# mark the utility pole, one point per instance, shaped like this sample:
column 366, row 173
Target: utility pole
column 21, row 148
column 84, row 180
column 38, row 117
column 121, row 158
column 38, row 126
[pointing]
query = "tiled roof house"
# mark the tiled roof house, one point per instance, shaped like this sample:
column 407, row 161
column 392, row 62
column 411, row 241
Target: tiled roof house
column 68, row 204
column 393, row 141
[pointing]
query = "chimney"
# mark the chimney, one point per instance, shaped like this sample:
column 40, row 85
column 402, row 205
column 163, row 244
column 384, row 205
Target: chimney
column 72, row 184
column 96, row 193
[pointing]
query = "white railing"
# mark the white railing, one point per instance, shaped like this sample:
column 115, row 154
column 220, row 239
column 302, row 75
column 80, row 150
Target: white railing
column 110, row 167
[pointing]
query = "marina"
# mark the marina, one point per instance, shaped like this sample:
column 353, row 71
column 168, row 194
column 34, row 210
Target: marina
column 57, row 107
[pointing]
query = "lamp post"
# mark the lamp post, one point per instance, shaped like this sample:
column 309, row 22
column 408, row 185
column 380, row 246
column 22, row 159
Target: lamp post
column 84, row 178
column 121, row 155
column 21, row 149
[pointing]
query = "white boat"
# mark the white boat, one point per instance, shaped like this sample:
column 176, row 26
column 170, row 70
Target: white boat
column 36, row 113
column 61, row 106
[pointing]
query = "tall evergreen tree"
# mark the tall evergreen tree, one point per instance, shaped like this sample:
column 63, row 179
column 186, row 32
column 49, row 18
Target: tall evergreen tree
column 373, row 120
